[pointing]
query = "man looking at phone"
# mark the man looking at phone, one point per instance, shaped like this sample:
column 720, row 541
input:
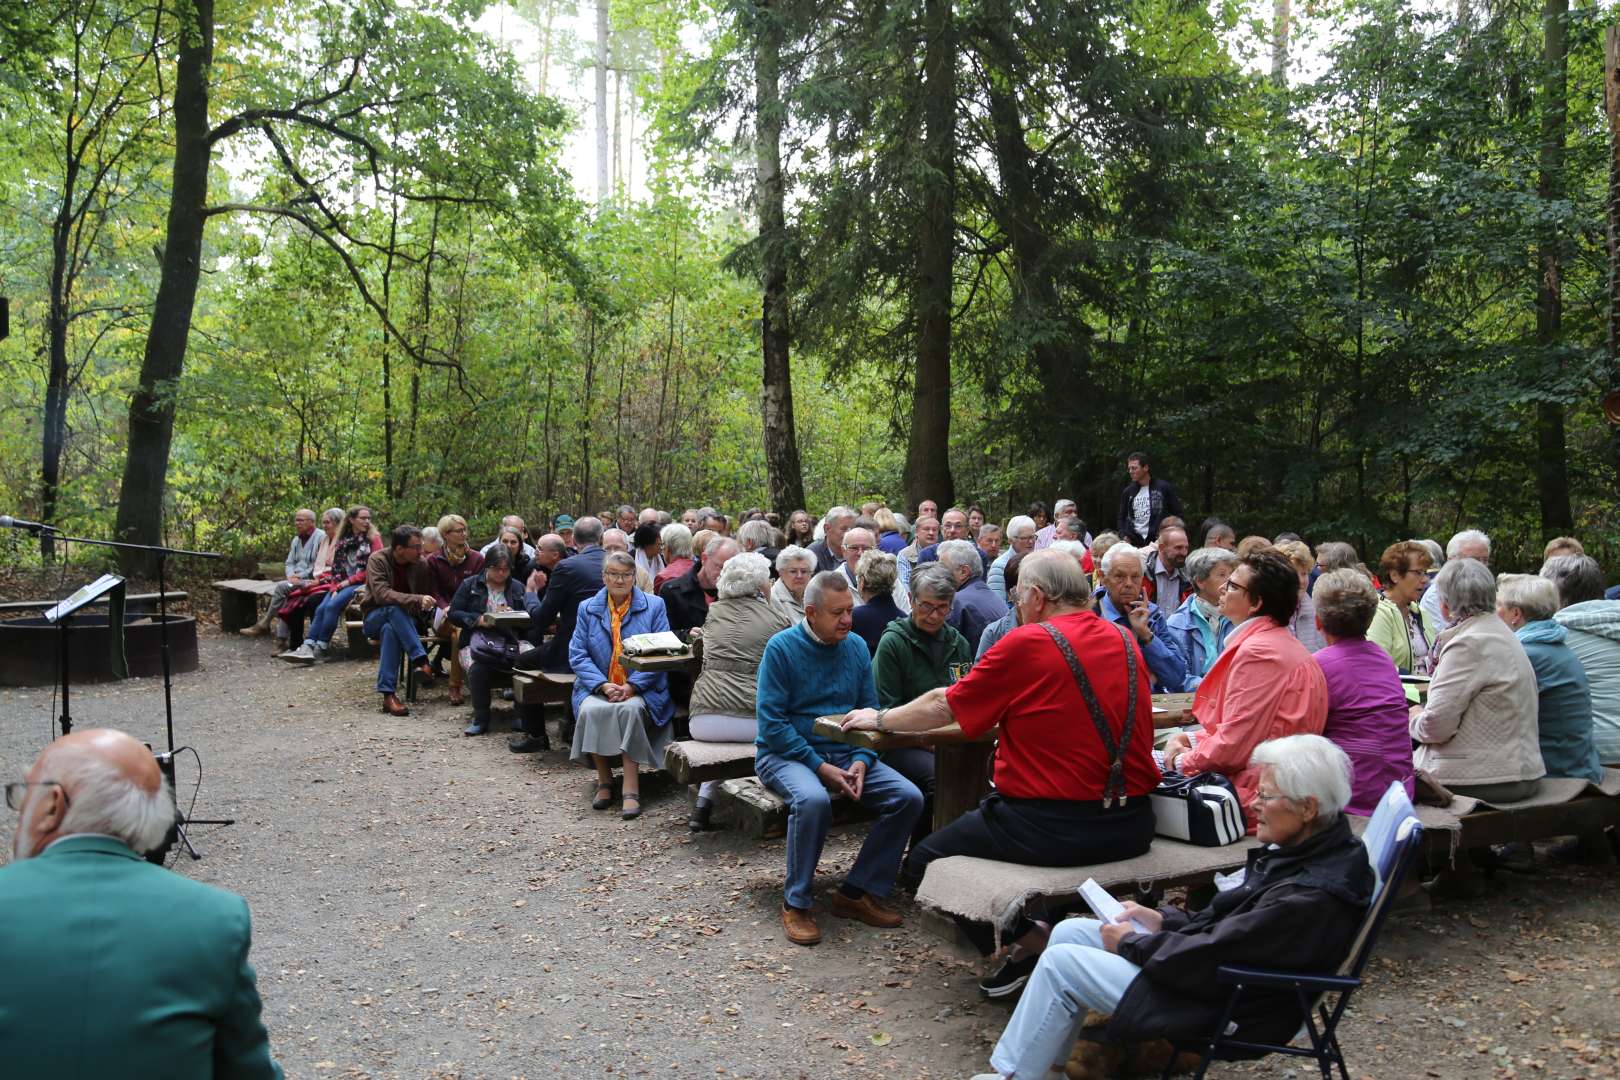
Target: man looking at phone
column 1120, row 600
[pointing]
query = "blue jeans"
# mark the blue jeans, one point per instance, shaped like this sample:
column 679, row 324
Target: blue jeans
column 1074, row 974
column 328, row 615
column 896, row 799
column 395, row 632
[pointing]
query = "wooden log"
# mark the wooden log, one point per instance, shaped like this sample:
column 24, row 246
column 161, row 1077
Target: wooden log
column 759, row 812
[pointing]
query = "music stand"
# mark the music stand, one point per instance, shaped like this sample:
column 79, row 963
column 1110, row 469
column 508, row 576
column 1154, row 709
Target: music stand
column 62, row 617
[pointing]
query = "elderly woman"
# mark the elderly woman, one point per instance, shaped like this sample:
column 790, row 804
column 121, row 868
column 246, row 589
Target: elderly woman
column 356, row 541
column 1100, row 545
column 675, row 542
column 1594, row 637
column 432, row 541
column 891, row 537
column 1264, row 686
column 1401, row 626
column 1335, row 555
column 1021, row 539
column 1477, row 733
column 1303, row 897
column 875, row 575
column 1563, row 698
column 1303, row 624
column 740, row 622
column 1367, row 713
column 452, row 564
column 472, row 611
column 617, row 712
column 795, row 566
column 1198, row 627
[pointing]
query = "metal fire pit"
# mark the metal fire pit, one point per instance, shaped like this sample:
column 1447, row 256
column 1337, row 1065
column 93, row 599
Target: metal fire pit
column 30, row 649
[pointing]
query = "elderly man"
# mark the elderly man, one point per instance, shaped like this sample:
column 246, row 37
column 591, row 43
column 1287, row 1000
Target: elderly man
column 399, row 599
column 300, row 568
column 625, row 519
column 829, row 550
column 1168, row 584
column 858, row 542
column 549, row 550
column 1145, row 502
column 512, row 521
column 1218, row 534
column 713, row 520
column 117, row 967
column 572, row 581
column 928, row 508
column 1021, row 539
column 1120, row 601
column 953, row 526
column 688, row 597
column 975, row 606
column 927, row 535
column 817, row 669
column 1061, row 509
column 989, row 540
column 1468, row 544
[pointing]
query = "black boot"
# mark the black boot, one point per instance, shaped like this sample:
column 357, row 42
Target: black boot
column 699, row 821
column 531, row 738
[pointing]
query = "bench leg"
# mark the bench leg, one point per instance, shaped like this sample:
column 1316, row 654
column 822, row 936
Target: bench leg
column 961, row 779
column 237, row 611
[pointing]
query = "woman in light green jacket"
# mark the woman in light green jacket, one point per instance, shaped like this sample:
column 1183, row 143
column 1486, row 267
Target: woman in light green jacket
column 1400, row 626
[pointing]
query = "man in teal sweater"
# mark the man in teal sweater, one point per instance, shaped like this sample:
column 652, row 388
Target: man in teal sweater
column 117, row 967
column 810, row 670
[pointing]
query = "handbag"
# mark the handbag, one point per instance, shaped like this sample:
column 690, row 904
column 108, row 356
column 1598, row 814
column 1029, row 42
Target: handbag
column 493, row 648
column 1202, row 810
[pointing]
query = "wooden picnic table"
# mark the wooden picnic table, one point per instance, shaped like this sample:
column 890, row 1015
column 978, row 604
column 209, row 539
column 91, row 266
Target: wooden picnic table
column 962, row 764
column 680, row 662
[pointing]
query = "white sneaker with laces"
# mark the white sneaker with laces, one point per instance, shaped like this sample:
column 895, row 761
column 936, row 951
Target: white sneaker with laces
column 304, row 654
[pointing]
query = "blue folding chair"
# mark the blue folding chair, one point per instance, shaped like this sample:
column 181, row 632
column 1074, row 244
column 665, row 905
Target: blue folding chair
column 1393, row 839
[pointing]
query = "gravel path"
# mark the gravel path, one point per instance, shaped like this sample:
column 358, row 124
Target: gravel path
column 427, row 905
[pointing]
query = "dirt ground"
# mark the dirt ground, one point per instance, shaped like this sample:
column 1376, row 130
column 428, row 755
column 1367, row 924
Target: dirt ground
column 428, row 905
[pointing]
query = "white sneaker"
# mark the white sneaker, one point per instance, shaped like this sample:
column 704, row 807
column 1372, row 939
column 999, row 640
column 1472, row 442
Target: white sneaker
column 322, row 653
column 304, row 654
column 988, row 1076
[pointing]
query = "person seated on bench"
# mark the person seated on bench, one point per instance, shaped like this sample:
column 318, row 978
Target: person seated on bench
column 454, row 563
column 1594, row 637
column 399, row 601
column 357, row 541
column 1008, row 622
column 795, row 566
column 1477, row 733
column 1264, row 685
column 1366, row 713
column 1199, row 628
column 815, row 669
column 515, row 523
column 1564, row 701
column 1303, row 898
column 618, row 713
column 300, row 571
column 472, row 612
column 572, row 581
column 511, row 538
column 876, row 573
column 741, row 621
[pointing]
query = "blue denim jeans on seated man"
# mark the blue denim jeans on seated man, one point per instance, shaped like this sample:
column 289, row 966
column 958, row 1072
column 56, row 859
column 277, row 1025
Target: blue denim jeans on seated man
column 1074, row 974
column 395, row 631
column 896, row 799
column 328, row 615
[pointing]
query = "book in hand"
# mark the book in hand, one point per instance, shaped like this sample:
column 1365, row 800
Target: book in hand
column 663, row 643
column 1104, row 906
column 512, row 618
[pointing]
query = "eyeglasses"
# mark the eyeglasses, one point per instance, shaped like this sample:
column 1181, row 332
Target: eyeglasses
column 17, row 790
column 1261, row 796
column 619, row 575
column 1229, row 584
column 931, row 607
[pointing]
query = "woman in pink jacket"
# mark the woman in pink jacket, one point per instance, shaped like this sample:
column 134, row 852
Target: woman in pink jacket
column 1263, row 686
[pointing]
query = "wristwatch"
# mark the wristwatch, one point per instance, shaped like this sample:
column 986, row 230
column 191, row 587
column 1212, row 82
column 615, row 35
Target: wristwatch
column 881, row 713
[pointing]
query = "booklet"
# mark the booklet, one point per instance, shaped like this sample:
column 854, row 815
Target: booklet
column 1104, row 906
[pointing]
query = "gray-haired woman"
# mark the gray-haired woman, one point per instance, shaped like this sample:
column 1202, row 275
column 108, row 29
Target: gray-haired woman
column 1477, row 733
column 1198, row 627
column 875, row 577
column 795, row 566
column 740, row 622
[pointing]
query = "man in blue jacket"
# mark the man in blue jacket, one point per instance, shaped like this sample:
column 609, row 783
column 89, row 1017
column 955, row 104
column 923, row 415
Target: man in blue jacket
column 117, row 967
column 1120, row 600
column 817, row 669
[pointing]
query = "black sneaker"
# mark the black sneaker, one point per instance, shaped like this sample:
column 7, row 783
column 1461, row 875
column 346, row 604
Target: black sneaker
column 1008, row 979
column 524, row 743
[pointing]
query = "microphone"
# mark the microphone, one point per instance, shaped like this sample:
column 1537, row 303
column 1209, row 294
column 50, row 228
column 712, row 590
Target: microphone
column 9, row 522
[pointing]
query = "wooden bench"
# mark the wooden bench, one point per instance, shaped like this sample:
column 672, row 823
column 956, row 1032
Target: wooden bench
column 134, row 604
column 694, row 762
column 760, row 812
column 239, row 601
column 542, row 687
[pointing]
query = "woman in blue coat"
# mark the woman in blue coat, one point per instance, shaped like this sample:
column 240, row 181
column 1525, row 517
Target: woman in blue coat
column 618, row 713
column 1564, row 716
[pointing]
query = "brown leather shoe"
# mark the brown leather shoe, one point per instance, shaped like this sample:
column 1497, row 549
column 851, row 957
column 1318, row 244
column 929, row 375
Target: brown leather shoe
column 866, row 910
column 393, row 707
column 800, row 926
column 256, row 630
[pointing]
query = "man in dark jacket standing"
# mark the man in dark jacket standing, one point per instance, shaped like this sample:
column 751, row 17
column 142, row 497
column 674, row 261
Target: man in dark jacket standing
column 1145, row 502
column 573, row 581
column 1303, row 897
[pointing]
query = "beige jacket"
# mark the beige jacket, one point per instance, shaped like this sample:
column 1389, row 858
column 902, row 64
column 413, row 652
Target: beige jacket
column 1479, row 726
column 734, row 637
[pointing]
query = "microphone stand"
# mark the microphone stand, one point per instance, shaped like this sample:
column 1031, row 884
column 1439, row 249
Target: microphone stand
column 165, row 761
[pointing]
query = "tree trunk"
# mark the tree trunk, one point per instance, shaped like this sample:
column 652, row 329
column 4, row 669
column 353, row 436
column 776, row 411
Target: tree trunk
column 56, row 381
column 152, row 406
column 928, row 463
column 784, row 478
column 603, row 181
column 1552, row 466
column 1611, row 103
column 1282, row 20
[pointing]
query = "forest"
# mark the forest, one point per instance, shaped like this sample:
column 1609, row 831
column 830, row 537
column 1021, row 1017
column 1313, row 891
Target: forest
column 1348, row 270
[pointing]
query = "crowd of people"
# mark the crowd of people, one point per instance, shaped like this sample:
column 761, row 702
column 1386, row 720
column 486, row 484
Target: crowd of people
column 1318, row 680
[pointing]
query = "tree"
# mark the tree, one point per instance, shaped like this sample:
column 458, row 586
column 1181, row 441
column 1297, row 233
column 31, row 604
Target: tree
column 1552, row 467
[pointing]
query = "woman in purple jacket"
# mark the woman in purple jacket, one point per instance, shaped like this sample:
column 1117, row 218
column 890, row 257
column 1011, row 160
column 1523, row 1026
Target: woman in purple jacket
column 1367, row 708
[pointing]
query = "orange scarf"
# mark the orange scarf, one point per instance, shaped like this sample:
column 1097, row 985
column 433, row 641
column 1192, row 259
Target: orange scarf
column 615, row 669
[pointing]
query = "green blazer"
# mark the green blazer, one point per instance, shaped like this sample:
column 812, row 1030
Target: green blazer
column 116, row 967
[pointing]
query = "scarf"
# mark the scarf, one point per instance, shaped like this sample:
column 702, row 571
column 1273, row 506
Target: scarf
column 615, row 669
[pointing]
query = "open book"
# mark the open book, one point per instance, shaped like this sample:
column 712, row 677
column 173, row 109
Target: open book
column 1104, row 906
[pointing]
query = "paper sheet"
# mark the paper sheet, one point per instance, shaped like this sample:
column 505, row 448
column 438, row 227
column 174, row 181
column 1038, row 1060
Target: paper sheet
column 1104, row 906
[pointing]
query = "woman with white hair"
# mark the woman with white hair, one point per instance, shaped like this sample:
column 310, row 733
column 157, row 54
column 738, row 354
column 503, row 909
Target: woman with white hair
column 1594, row 637
column 875, row 575
column 675, row 543
column 1563, row 698
column 1303, row 897
column 1477, row 732
column 740, row 622
column 1021, row 537
column 795, row 566
column 1199, row 628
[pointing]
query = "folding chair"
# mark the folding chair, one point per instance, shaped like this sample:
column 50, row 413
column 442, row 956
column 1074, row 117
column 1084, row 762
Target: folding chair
column 1393, row 839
